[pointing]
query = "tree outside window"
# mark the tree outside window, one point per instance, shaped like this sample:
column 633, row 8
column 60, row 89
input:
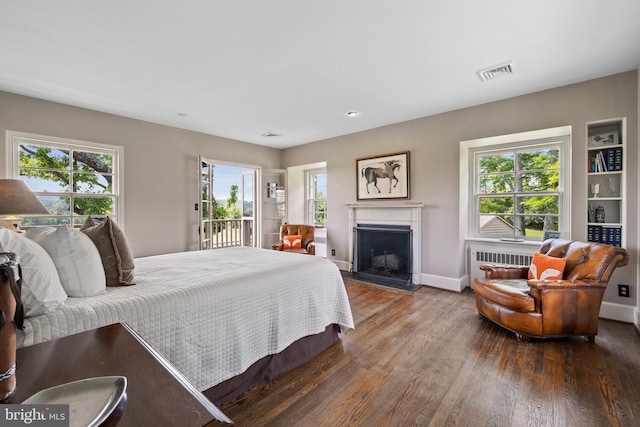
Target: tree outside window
column 518, row 192
column 72, row 181
column 317, row 197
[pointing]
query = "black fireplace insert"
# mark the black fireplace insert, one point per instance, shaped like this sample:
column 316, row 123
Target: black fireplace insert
column 382, row 254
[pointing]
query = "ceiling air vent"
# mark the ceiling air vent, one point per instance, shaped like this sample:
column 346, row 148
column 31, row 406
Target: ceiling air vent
column 271, row 135
column 495, row 72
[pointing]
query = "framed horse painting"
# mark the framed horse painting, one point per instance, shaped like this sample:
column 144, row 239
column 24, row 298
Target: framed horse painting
column 383, row 177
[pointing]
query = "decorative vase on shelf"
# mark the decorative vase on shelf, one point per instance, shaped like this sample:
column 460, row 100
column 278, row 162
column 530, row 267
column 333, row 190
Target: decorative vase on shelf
column 592, row 213
column 599, row 214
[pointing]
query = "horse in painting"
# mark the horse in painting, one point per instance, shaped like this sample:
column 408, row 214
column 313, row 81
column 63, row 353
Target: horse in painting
column 387, row 170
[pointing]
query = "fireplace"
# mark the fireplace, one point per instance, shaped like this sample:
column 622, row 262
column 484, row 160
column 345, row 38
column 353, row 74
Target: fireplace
column 382, row 254
column 385, row 243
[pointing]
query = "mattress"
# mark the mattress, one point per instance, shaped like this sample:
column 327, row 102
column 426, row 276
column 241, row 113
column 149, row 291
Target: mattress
column 211, row 313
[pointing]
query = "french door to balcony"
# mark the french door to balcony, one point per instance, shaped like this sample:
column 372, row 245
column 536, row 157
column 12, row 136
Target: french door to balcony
column 240, row 205
column 226, row 208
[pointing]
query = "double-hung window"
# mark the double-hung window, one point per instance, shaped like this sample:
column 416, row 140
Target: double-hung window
column 317, row 197
column 73, row 179
column 517, row 186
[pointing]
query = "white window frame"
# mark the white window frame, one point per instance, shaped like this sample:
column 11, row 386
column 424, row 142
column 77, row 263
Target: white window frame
column 310, row 213
column 469, row 221
column 15, row 139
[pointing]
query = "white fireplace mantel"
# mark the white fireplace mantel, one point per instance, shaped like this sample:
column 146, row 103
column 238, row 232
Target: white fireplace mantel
column 392, row 214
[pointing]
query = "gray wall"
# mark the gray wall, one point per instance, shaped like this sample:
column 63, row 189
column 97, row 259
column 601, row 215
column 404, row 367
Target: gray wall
column 434, row 145
column 160, row 165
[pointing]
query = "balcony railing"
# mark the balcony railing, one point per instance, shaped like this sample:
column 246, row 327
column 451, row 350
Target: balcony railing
column 222, row 233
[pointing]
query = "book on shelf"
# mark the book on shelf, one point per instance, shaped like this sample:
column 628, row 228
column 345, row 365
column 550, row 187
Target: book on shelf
column 617, row 162
column 603, row 234
column 607, row 160
column 611, row 159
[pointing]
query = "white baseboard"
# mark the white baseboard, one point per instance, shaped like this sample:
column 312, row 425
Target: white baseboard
column 619, row 312
column 447, row 283
column 342, row 265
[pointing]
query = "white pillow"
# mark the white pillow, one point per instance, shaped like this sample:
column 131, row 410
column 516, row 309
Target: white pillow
column 76, row 258
column 41, row 289
column 34, row 232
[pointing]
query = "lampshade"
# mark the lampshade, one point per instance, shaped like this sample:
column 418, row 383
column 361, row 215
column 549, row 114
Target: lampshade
column 16, row 198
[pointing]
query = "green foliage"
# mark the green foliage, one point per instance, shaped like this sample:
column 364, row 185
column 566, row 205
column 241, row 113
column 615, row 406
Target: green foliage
column 221, row 213
column 234, row 212
column 83, row 174
column 231, row 210
column 320, row 212
column 532, row 173
column 233, row 196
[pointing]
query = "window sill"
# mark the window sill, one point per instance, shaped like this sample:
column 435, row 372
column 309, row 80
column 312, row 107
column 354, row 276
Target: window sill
column 532, row 243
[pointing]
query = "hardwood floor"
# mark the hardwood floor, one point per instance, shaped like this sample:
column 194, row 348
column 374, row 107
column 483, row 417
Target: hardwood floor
column 427, row 359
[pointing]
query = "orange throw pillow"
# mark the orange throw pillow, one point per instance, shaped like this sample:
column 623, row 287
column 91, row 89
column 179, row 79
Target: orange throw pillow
column 544, row 267
column 293, row 242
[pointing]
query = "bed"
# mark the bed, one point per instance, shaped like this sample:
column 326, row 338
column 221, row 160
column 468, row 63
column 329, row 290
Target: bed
column 228, row 319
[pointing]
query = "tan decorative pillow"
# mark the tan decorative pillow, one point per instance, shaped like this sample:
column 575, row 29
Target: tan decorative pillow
column 114, row 249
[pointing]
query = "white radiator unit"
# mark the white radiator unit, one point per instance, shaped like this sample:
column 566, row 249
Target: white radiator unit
column 478, row 255
column 320, row 239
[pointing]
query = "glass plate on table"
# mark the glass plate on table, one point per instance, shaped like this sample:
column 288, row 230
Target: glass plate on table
column 90, row 400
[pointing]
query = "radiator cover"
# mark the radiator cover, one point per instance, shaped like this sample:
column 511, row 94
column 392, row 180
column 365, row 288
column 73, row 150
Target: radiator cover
column 479, row 254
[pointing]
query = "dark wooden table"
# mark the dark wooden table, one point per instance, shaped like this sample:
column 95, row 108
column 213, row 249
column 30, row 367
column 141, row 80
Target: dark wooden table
column 157, row 394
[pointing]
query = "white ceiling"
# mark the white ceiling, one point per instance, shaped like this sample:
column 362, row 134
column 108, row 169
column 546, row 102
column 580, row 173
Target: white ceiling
column 240, row 69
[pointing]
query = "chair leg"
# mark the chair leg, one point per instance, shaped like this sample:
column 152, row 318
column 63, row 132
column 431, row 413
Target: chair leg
column 591, row 338
column 522, row 338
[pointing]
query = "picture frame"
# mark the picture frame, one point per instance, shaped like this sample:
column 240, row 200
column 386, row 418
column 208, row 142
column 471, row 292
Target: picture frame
column 604, row 138
column 550, row 234
column 383, row 177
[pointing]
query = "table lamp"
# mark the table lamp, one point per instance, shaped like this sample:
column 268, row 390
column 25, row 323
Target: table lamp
column 16, row 198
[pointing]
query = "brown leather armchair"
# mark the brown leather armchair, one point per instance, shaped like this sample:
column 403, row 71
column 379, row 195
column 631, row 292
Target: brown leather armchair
column 306, row 233
column 550, row 308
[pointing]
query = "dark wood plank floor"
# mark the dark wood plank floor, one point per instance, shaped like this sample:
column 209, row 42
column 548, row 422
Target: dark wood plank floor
column 427, row 359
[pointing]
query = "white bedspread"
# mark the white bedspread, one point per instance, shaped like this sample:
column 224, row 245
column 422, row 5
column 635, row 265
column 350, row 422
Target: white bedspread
column 212, row 313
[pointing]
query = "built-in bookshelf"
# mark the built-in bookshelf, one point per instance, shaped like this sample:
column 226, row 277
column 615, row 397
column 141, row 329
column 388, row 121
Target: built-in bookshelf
column 274, row 205
column 606, row 181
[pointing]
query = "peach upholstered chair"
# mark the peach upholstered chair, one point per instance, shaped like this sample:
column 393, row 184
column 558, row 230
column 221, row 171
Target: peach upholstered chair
column 551, row 307
column 296, row 238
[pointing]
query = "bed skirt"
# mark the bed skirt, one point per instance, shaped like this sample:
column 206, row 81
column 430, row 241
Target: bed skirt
column 269, row 367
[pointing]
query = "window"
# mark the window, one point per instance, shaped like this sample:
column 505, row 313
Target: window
column 72, row 179
column 517, row 185
column 317, row 197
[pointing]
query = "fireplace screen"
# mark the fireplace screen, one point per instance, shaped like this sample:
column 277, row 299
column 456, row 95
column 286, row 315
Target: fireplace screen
column 383, row 251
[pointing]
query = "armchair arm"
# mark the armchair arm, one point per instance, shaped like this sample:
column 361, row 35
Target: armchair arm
column 277, row 246
column 311, row 247
column 565, row 284
column 492, row 271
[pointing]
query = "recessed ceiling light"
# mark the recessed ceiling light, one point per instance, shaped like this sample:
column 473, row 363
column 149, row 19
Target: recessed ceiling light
column 271, row 135
column 352, row 113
